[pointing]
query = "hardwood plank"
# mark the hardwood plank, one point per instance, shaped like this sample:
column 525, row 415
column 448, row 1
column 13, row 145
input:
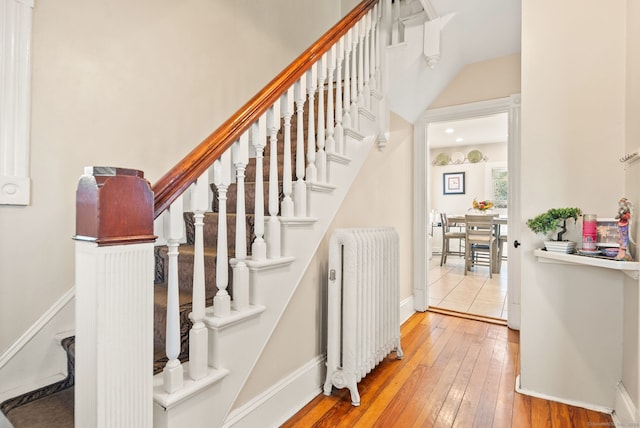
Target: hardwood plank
column 436, row 399
column 456, row 372
column 521, row 411
column 452, row 402
column 560, row 416
column 540, row 413
column 506, row 390
column 578, row 416
column 487, row 406
column 473, row 394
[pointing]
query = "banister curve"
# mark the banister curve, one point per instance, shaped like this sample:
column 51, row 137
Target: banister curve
column 184, row 173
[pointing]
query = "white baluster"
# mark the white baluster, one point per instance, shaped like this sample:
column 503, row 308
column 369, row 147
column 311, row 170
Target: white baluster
column 361, row 49
column 312, row 85
column 375, row 40
column 321, row 155
column 339, row 130
column 272, row 232
column 198, row 336
column 354, row 76
column 366, row 89
column 240, row 156
column 173, row 371
column 331, row 142
column 346, row 117
column 222, row 179
column 300, row 188
column 287, row 208
column 259, row 140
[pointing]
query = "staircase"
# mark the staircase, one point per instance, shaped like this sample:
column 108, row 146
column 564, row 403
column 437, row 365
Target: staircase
column 229, row 255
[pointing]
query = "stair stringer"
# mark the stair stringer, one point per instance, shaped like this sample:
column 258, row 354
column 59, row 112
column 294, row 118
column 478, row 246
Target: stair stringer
column 239, row 345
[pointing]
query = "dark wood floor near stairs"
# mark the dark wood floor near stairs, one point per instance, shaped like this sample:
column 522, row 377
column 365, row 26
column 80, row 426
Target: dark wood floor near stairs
column 455, row 373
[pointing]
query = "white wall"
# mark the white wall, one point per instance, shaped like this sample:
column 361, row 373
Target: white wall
column 129, row 84
column 477, row 178
column 380, row 196
column 499, row 77
column 573, row 113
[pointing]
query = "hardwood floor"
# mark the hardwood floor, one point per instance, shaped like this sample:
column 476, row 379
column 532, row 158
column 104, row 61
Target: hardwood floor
column 455, row 373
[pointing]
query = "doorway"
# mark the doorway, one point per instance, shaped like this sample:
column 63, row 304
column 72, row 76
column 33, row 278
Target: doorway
column 423, row 181
column 476, row 150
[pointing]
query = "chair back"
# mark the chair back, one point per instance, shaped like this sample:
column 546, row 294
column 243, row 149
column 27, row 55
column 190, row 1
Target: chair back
column 480, row 228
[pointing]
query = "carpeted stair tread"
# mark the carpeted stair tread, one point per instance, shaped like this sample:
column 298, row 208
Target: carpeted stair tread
column 50, row 411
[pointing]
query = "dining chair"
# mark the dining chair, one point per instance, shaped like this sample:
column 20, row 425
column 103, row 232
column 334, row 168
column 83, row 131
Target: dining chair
column 481, row 242
column 447, row 236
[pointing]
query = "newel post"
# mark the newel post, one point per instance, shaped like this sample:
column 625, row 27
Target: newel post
column 114, row 299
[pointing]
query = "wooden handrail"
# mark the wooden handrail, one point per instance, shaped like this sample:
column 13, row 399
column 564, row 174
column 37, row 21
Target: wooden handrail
column 187, row 171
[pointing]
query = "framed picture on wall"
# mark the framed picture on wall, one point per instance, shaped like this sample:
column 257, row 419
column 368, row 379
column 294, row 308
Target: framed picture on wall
column 453, row 183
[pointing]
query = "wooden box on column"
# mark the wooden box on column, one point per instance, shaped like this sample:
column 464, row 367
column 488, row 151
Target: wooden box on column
column 114, row 299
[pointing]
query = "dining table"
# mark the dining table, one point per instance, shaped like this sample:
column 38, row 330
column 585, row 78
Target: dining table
column 498, row 221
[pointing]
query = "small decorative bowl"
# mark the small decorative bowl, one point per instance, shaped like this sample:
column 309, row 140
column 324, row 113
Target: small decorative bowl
column 610, row 252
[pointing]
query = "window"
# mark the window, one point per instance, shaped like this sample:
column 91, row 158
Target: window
column 500, row 187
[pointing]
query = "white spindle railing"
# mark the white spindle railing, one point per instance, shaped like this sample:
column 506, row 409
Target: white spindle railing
column 354, row 76
column 173, row 370
column 300, row 207
column 321, row 155
column 339, row 113
column 222, row 179
column 198, row 335
column 259, row 140
column 346, row 115
column 312, row 85
column 240, row 155
column 273, row 224
column 366, row 73
column 287, row 208
column 351, row 71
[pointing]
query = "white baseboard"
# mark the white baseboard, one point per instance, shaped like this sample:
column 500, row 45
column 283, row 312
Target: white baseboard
column 626, row 412
column 575, row 403
column 283, row 400
column 287, row 397
column 407, row 308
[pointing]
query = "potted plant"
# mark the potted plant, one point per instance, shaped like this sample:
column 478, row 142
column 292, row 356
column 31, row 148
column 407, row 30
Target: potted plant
column 555, row 220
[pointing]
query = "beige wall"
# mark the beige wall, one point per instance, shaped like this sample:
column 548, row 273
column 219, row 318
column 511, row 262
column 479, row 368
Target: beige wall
column 129, row 84
column 500, row 78
column 573, row 111
column 380, row 196
column 631, row 345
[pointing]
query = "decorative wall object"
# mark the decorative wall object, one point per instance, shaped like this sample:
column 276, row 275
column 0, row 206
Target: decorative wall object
column 453, row 183
column 457, row 158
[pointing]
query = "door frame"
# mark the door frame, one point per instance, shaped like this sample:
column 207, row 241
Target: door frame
column 421, row 169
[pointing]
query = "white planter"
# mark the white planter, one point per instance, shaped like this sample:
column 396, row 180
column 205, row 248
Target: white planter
column 560, row 246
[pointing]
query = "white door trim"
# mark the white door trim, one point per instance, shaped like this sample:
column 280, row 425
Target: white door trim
column 421, row 165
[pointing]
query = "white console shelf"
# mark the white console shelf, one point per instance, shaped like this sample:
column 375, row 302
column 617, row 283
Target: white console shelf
column 631, row 269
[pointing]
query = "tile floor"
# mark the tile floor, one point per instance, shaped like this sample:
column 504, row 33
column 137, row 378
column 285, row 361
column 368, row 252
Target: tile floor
column 474, row 293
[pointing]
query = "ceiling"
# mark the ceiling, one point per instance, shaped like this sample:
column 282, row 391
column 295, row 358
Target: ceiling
column 480, row 30
column 475, row 131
